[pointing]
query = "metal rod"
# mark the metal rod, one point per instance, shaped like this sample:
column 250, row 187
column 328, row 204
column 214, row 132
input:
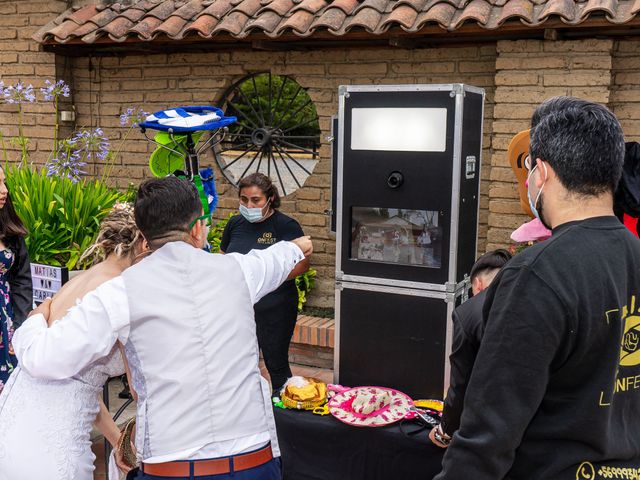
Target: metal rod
column 284, row 190
column 163, row 146
column 312, row 119
column 275, row 105
column 235, row 107
column 306, row 150
column 249, row 166
column 284, row 160
column 235, row 160
column 278, row 120
column 255, row 89
column 294, row 160
column 248, row 102
column 289, row 114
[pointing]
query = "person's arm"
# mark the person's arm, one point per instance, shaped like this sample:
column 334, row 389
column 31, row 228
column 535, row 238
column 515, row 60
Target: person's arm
column 290, row 231
column 105, row 424
column 265, row 270
column 525, row 325
column 87, row 332
column 21, row 284
column 299, row 269
column 462, row 358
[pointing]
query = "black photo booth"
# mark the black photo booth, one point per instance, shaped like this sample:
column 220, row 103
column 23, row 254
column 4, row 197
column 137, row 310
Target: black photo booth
column 407, row 188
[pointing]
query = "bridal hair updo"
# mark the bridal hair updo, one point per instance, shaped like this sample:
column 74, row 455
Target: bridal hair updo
column 118, row 234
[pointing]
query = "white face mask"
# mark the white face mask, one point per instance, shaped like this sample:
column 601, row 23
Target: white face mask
column 254, row 215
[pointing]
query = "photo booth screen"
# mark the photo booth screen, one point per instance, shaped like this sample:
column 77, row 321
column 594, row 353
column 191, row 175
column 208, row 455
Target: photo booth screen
column 395, row 235
column 399, row 129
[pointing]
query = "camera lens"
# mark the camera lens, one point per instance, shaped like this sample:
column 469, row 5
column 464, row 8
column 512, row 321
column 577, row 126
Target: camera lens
column 395, row 179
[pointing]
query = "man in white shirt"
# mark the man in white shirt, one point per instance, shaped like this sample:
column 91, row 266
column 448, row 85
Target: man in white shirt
column 185, row 318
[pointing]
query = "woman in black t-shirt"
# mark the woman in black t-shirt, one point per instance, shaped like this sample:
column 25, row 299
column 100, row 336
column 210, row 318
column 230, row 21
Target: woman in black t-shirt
column 258, row 226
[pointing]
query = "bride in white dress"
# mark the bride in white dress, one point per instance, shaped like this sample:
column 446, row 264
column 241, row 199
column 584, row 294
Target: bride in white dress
column 45, row 425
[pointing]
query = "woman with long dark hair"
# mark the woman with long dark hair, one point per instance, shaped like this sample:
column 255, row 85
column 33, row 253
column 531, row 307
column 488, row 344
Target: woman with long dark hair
column 16, row 290
column 259, row 225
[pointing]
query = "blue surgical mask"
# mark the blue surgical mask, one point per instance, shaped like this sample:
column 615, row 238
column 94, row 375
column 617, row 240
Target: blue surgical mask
column 253, row 215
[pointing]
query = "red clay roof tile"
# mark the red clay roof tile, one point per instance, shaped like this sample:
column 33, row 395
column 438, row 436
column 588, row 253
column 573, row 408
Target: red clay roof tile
column 266, row 22
column 64, row 30
column 218, row 9
column 441, row 13
column 146, row 26
column 172, row 26
column 563, row 8
column 146, row 19
column 367, row 18
column 516, row 8
column 281, row 7
column 83, row 14
column 203, row 26
column 311, row 6
column 404, row 15
column 118, row 28
column 347, row 6
column 189, row 10
column 332, row 19
column 163, row 10
column 133, row 14
column 299, row 22
column 233, row 23
column 248, row 7
column 104, row 17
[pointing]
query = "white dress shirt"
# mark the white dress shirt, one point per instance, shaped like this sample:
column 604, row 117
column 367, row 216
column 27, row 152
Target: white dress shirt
column 91, row 328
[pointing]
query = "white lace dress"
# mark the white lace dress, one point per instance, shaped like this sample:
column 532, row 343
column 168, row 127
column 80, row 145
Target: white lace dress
column 45, row 425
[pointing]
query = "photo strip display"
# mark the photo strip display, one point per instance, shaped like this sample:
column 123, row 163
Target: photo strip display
column 394, row 235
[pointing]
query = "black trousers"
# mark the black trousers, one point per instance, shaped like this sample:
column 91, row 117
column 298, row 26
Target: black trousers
column 275, row 320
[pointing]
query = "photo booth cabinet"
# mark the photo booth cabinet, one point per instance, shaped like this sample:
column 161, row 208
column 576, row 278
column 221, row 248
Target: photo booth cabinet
column 407, row 179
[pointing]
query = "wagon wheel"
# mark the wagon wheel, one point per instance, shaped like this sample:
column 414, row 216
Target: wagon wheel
column 277, row 132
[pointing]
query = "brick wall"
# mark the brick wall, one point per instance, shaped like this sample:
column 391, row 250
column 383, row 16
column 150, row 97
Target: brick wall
column 105, row 87
column 527, row 73
column 517, row 76
column 21, row 59
column 625, row 94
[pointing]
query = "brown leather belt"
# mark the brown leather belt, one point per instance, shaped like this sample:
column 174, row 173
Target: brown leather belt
column 216, row 466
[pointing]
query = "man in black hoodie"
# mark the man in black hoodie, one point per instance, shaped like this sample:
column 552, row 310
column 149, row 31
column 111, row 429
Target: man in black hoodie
column 555, row 389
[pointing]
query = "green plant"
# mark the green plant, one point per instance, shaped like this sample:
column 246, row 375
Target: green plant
column 62, row 217
column 60, row 207
column 304, row 282
column 215, row 234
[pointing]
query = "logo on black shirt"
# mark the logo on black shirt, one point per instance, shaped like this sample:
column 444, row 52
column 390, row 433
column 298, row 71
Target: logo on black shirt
column 630, row 348
column 267, row 238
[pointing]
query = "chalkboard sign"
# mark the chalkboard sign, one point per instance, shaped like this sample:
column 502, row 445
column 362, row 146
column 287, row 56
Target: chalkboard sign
column 47, row 280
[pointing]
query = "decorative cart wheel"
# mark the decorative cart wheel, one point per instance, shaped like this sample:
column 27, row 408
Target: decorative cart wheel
column 277, row 131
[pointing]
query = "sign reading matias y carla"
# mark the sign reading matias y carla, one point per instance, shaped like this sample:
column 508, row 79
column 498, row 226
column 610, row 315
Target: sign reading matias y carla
column 47, row 280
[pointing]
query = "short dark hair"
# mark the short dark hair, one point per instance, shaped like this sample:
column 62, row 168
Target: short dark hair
column 490, row 261
column 265, row 185
column 582, row 141
column 165, row 205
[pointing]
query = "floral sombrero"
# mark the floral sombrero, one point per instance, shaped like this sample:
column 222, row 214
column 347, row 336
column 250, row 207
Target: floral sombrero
column 370, row 406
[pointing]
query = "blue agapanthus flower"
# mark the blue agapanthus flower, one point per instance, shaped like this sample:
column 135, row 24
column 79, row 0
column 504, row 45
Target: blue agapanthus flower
column 54, row 90
column 133, row 117
column 19, row 93
column 67, row 164
column 92, row 145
